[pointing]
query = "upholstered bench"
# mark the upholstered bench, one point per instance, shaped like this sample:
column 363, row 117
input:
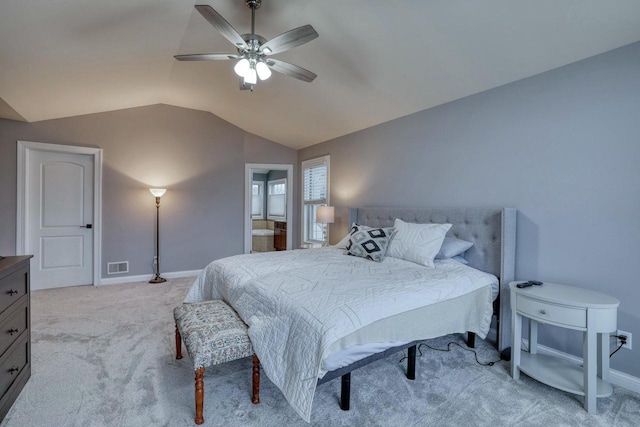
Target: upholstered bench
column 213, row 334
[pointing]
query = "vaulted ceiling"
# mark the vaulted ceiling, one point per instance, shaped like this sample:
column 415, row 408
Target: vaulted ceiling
column 377, row 60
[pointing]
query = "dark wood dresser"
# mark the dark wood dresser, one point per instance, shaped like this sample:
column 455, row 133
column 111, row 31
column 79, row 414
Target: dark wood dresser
column 15, row 332
column 280, row 236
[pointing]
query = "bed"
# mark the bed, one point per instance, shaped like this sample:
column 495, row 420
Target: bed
column 316, row 313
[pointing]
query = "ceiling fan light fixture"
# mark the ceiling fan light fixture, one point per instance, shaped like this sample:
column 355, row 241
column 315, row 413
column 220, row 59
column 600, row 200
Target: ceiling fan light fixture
column 263, row 70
column 251, row 76
column 242, row 67
column 253, row 50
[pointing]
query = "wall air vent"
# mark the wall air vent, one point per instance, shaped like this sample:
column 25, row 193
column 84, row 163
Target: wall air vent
column 118, row 267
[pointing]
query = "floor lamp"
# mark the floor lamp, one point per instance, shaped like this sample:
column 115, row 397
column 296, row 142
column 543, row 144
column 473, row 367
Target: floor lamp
column 157, row 192
column 325, row 215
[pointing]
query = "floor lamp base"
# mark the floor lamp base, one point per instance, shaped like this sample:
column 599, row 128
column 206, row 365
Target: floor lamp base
column 157, row 279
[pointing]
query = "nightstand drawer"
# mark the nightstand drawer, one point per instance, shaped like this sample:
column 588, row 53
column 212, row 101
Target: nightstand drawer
column 552, row 313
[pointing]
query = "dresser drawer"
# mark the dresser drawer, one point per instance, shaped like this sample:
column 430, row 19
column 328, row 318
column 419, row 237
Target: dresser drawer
column 14, row 325
column 551, row 313
column 12, row 364
column 13, row 286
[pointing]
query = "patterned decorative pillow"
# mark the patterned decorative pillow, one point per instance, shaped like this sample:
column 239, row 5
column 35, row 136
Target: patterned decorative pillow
column 369, row 243
column 418, row 243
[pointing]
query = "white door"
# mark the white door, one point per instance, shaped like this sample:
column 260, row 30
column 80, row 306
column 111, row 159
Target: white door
column 60, row 216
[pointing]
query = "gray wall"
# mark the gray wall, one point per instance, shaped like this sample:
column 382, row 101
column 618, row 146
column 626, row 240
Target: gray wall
column 562, row 147
column 197, row 156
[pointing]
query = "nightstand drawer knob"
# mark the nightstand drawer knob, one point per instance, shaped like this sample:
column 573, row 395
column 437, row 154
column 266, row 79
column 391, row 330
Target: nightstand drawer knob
column 543, row 312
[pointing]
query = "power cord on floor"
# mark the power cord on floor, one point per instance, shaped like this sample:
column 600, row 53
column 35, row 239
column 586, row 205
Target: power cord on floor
column 475, row 354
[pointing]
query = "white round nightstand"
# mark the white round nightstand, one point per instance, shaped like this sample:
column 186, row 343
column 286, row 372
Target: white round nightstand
column 569, row 307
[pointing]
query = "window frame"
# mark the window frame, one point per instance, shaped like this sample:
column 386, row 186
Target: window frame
column 309, row 208
column 261, row 214
column 268, row 196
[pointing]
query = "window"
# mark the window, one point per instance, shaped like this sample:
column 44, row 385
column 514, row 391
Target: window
column 315, row 188
column 277, row 199
column 257, row 200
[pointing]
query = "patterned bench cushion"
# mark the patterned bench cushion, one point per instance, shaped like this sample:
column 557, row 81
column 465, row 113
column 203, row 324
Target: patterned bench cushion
column 212, row 332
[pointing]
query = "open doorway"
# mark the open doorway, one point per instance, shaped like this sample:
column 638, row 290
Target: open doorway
column 268, row 207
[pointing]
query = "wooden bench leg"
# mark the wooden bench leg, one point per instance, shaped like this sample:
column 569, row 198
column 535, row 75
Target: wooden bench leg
column 255, row 397
column 199, row 395
column 178, row 344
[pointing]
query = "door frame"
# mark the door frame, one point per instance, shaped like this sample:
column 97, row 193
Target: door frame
column 22, row 233
column 248, row 179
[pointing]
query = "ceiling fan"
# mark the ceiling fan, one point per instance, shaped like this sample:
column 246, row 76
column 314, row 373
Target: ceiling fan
column 254, row 50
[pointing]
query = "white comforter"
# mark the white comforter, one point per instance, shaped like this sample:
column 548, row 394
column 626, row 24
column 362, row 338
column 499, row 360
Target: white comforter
column 297, row 303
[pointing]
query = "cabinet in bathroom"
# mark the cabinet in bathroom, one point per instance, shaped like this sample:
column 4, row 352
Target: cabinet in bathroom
column 280, row 236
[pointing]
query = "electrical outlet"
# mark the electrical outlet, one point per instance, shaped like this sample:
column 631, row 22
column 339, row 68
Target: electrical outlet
column 627, row 345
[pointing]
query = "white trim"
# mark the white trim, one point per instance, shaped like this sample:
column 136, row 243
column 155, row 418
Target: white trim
column 147, row 277
column 248, row 179
column 618, row 378
column 24, row 148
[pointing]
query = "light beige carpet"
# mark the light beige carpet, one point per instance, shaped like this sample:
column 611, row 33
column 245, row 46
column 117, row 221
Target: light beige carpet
column 104, row 356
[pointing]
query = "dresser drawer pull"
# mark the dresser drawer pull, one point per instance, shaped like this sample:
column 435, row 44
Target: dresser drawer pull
column 14, row 369
column 13, row 331
column 13, row 292
column 543, row 312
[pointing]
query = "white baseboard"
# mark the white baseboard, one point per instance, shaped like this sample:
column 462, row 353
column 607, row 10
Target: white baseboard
column 616, row 377
column 147, row 277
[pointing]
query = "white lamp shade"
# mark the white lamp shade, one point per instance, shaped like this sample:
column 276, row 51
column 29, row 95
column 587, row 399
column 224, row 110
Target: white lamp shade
column 263, row 70
column 325, row 215
column 242, row 67
column 251, row 77
column 158, row 192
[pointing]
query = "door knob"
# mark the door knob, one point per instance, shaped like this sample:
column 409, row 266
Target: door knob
column 87, row 226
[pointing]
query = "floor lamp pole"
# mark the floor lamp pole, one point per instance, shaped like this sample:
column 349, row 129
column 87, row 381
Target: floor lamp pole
column 157, row 278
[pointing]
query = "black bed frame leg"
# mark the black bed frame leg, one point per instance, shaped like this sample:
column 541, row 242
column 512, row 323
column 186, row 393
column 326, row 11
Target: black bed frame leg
column 345, row 392
column 411, row 363
column 471, row 339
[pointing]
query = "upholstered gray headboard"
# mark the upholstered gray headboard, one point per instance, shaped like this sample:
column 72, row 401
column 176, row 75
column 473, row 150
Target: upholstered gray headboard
column 492, row 231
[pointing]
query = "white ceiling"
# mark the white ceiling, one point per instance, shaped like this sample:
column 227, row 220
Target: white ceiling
column 376, row 59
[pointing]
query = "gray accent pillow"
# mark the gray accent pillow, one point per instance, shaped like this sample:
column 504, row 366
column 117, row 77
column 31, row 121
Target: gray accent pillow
column 370, row 243
column 452, row 247
column 460, row 259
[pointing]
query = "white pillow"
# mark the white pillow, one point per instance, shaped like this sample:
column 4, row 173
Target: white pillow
column 453, row 247
column 417, row 243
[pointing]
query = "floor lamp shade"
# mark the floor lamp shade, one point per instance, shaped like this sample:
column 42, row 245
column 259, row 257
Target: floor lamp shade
column 158, row 193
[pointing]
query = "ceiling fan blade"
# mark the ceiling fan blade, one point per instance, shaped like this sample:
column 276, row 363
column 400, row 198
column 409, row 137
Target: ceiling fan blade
column 291, row 70
column 206, row 57
column 222, row 25
column 289, row 40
